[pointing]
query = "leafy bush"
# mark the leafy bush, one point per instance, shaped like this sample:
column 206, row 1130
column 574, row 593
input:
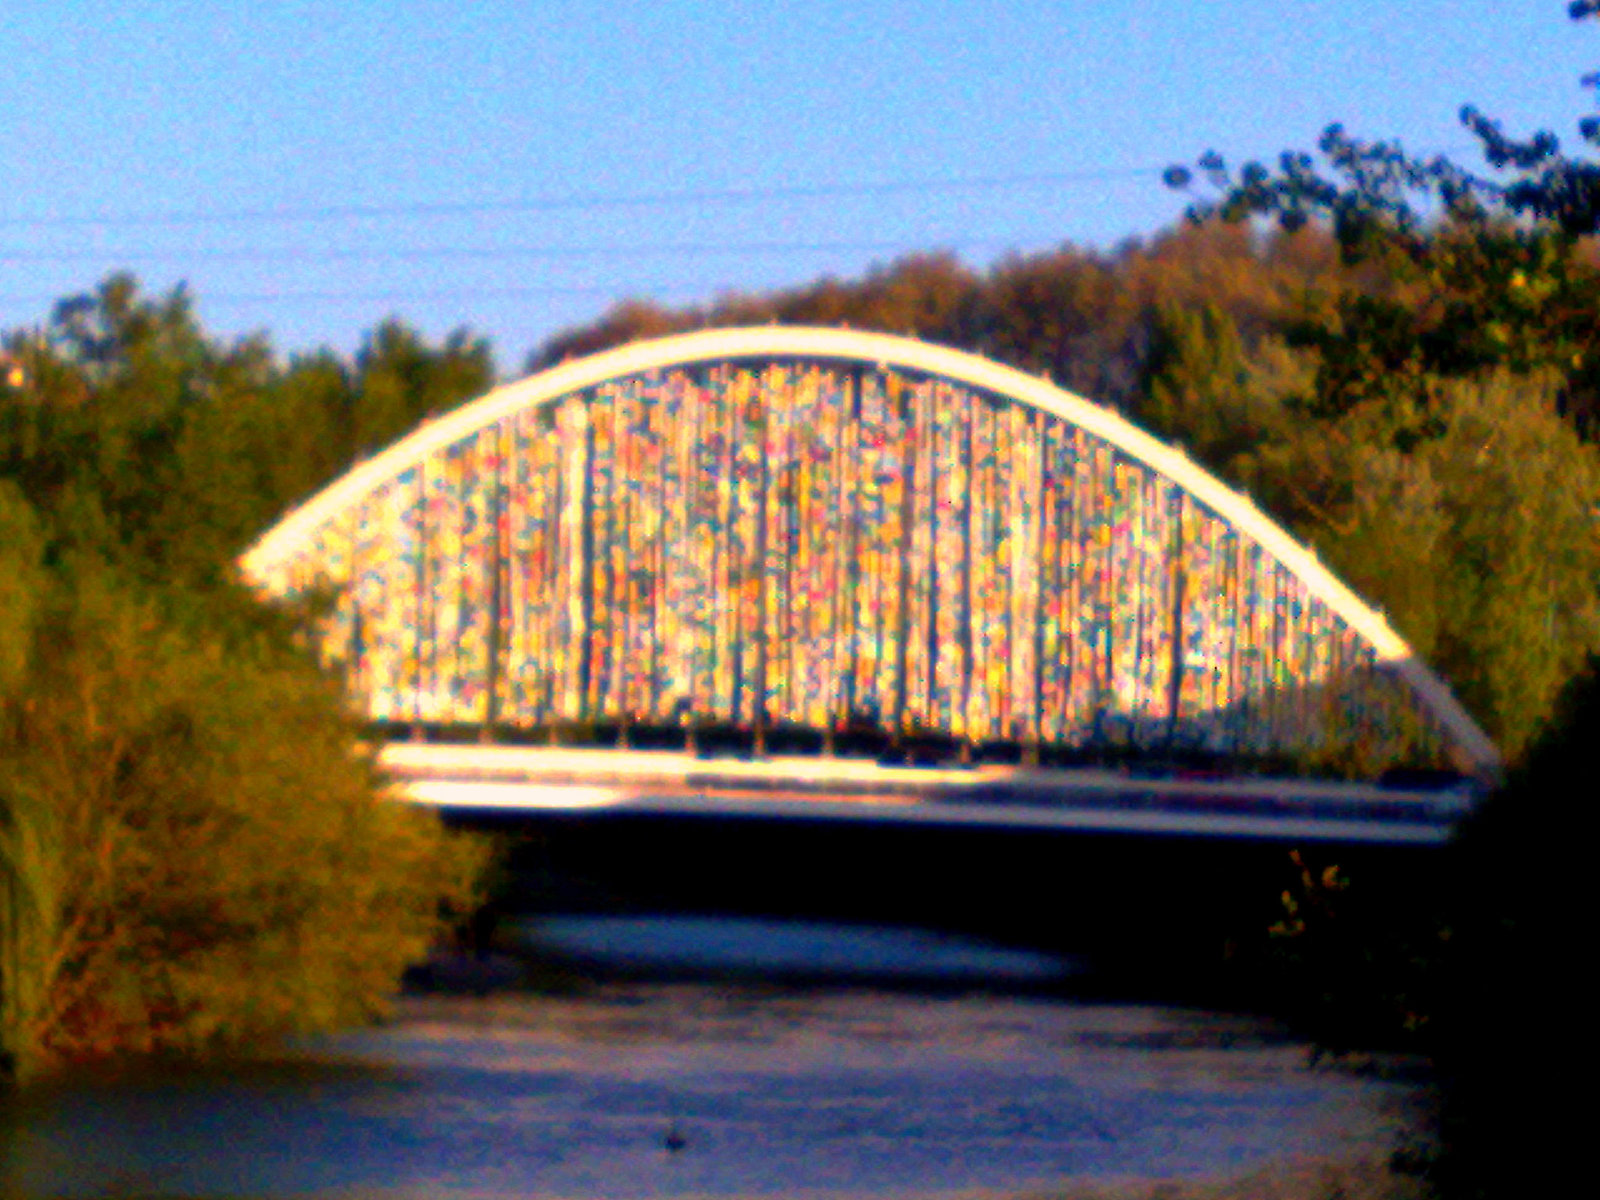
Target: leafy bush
column 1480, row 544
column 193, row 850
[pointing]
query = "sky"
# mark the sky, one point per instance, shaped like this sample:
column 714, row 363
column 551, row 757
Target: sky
column 308, row 168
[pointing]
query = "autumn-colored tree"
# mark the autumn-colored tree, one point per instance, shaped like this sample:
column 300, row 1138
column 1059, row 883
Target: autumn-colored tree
column 1477, row 268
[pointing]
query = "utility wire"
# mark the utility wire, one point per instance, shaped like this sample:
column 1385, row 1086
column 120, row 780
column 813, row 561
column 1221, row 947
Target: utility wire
column 406, row 295
column 554, row 203
column 591, row 200
column 376, row 253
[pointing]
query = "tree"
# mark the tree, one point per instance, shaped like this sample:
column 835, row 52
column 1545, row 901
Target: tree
column 29, row 872
column 195, row 851
column 180, row 449
column 1481, row 545
column 627, row 321
column 1478, row 271
column 399, row 381
column 1466, row 281
column 1083, row 318
column 1519, row 932
column 1201, row 388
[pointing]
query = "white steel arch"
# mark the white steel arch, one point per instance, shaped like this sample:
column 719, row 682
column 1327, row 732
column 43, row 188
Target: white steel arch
column 293, row 533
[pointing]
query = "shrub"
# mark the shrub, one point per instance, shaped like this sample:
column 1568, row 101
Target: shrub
column 198, row 854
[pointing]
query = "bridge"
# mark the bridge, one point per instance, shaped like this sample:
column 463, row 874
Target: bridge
column 819, row 573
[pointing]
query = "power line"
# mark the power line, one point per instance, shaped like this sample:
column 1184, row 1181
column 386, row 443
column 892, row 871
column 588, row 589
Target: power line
column 403, row 295
column 379, row 253
column 553, row 203
column 408, row 295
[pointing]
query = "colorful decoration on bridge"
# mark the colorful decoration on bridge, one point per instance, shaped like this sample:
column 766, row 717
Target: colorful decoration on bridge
column 827, row 547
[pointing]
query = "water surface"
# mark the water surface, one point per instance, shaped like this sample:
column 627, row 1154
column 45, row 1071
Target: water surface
column 763, row 1090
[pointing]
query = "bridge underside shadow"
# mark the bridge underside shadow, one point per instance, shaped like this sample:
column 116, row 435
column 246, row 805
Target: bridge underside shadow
column 1163, row 916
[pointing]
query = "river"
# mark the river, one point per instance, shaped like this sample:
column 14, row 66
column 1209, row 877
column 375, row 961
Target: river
column 885, row 1062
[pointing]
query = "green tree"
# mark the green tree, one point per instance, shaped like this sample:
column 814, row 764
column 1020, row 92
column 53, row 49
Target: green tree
column 1456, row 386
column 195, row 851
column 1467, row 283
column 1203, row 389
column 110, row 390
column 30, row 877
column 213, row 862
column 1481, row 545
column 179, row 449
column 399, row 381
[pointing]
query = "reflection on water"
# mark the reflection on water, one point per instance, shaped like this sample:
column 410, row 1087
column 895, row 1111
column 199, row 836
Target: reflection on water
column 788, row 949
column 763, row 1090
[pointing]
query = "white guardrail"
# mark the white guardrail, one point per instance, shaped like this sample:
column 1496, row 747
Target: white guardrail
column 507, row 780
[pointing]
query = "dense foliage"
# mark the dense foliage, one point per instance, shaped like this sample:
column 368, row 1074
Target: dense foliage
column 193, row 850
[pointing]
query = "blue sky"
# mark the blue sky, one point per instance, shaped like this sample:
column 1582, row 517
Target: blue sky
column 312, row 167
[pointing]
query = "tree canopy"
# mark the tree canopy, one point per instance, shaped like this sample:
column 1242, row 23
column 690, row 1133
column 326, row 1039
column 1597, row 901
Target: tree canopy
column 1479, row 268
column 194, row 849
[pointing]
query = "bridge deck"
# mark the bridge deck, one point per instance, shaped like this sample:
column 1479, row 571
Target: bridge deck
column 505, row 779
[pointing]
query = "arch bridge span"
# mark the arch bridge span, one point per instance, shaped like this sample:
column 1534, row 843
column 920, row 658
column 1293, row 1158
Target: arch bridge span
column 806, row 532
